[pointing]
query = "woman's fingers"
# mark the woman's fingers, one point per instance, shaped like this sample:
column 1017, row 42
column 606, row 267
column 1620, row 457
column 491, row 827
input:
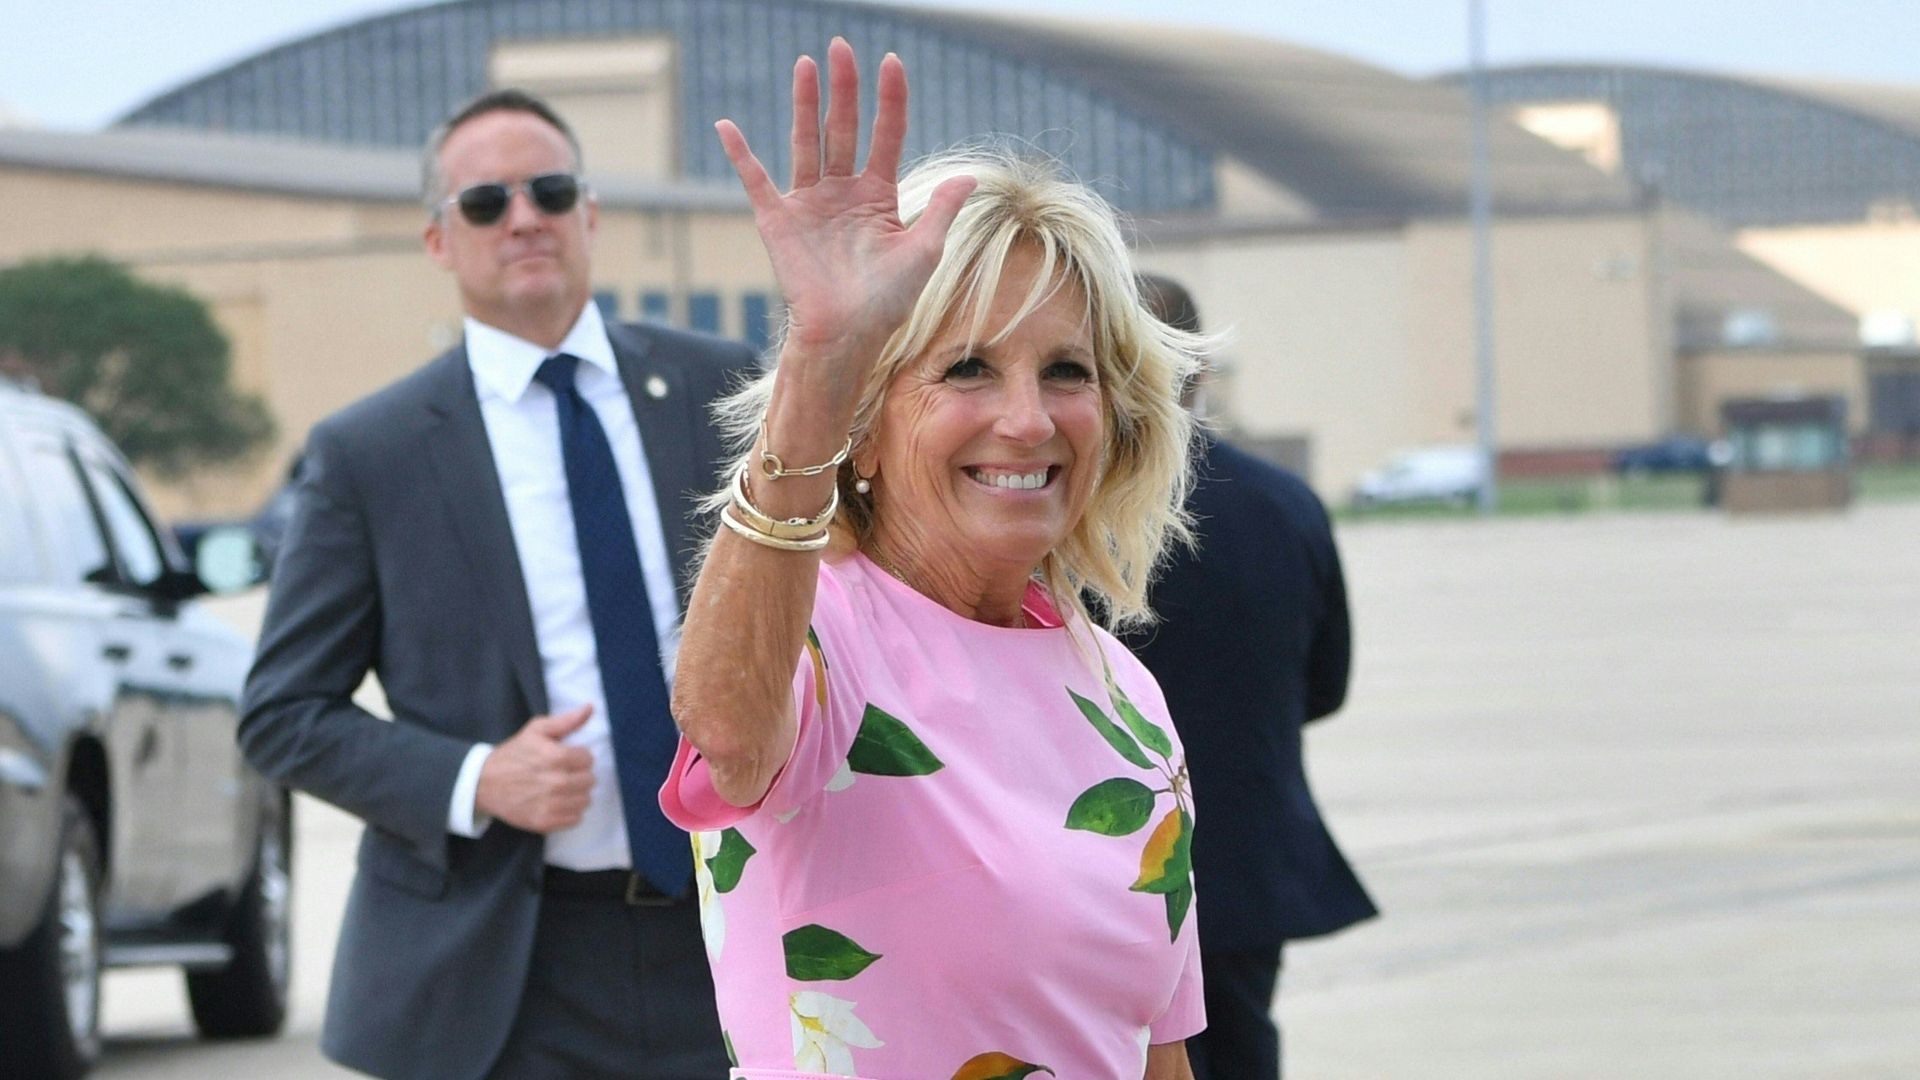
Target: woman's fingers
column 806, row 123
column 889, row 120
column 843, row 109
column 930, row 231
column 761, row 192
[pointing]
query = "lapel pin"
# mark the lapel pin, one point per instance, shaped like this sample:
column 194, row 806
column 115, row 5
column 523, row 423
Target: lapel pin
column 656, row 387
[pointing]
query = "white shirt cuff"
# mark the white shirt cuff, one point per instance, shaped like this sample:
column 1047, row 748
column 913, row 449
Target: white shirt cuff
column 463, row 817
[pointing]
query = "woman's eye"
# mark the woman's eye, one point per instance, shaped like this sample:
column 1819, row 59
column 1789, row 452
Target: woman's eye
column 1070, row 370
column 970, row 368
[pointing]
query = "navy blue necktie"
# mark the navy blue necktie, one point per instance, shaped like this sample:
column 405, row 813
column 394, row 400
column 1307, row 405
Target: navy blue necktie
column 623, row 636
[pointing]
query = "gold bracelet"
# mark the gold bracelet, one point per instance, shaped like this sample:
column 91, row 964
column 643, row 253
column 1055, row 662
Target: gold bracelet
column 776, row 469
column 811, row 543
column 797, row 528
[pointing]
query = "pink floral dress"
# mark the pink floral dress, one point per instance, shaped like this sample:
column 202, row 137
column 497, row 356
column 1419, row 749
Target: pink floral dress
column 973, row 866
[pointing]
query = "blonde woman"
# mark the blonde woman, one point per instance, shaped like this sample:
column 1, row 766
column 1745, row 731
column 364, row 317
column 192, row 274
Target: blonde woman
column 942, row 819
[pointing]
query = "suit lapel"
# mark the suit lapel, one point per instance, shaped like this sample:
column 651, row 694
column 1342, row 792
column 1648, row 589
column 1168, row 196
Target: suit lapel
column 469, row 483
column 665, row 409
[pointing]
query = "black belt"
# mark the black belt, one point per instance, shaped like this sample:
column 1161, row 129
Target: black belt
column 624, row 886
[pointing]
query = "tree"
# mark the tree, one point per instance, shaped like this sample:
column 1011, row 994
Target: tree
column 145, row 360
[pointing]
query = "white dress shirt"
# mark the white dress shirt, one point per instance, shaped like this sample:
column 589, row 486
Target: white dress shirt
column 524, row 432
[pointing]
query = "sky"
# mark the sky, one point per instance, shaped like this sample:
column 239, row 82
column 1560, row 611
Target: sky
column 81, row 63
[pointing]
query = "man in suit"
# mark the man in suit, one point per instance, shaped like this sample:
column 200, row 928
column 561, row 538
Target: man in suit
column 500, row 536
column 1254, row 642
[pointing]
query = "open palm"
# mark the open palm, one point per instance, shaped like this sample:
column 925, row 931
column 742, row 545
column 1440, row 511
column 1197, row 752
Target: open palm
column 848, row 268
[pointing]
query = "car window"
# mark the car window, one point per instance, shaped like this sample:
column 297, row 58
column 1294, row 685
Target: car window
column 133, row 538
column 54, row 477
column 19, row 558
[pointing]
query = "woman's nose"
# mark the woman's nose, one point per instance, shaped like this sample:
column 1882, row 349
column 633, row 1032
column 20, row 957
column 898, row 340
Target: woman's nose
column 1023, row 417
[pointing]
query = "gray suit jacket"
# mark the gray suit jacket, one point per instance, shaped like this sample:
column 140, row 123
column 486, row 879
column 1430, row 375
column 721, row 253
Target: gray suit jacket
column 400, row 561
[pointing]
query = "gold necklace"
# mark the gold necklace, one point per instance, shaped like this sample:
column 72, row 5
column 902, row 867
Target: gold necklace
column 886, row 564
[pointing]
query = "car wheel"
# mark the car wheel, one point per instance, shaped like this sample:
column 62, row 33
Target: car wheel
column 50, row 983
column 248, row 997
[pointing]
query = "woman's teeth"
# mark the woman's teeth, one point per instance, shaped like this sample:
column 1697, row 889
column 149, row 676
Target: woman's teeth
column 1012, row 481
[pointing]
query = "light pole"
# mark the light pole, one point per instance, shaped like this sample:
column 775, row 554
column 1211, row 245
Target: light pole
column 1481, row 198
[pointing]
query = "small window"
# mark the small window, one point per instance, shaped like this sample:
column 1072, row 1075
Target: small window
column 703, row 312
column 756, row 320
column 67, row 512
column 19, row 557
column 608, row 302
column 141, row 559
column 656, row 306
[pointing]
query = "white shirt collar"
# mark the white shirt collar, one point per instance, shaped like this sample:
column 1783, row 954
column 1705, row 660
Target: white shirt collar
column 503, row 365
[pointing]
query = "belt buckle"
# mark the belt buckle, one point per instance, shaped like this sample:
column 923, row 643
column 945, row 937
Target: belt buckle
column 641, row 894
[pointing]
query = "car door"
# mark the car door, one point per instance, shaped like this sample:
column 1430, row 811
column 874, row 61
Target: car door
column 196, row 680
column 106, row 659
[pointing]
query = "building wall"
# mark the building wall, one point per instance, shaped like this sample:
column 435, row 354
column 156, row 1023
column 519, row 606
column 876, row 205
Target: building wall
column 1709, row 378
column 1868, row 267
column 326, row 300
column 1581, row 353
column 1317, row 341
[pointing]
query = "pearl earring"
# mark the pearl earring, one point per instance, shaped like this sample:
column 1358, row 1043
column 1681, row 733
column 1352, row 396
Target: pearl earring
column 861, row 484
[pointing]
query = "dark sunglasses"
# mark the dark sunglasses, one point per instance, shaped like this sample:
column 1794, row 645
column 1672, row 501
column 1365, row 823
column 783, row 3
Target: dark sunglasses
column 484, row 204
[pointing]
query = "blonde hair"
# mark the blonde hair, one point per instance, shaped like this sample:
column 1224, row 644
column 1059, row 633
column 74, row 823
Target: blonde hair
column 1137, row 507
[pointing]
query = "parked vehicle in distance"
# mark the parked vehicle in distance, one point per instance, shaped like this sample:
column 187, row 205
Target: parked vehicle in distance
column 1675, row 453
column 131, row 830
column 1446, row 474
column 268, row 524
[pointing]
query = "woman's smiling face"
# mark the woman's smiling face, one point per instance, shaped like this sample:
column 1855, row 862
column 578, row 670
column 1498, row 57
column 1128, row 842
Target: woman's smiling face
column 986, row 454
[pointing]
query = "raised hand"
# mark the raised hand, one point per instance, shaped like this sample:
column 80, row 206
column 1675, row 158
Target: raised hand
column 848, row 268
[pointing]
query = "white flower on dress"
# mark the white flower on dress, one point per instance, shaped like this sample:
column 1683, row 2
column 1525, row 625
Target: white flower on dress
column 842, row 779
column 1145, row 1037
column 713, row 919
column 824, row 1029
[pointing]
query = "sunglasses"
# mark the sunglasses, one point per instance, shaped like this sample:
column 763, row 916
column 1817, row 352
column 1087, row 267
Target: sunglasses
column 484, row 204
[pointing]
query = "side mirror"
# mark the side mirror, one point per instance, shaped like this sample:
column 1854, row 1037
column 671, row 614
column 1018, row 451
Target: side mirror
column 227, row 559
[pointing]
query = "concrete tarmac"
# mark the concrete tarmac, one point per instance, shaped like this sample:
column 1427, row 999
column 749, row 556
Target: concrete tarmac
column 1639, row 796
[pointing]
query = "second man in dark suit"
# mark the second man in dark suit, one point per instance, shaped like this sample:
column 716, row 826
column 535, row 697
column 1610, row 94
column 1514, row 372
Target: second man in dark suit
column 1255, row 642
column 501, row 537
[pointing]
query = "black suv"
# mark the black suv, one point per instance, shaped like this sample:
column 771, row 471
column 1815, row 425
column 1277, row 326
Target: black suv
column 131, row 832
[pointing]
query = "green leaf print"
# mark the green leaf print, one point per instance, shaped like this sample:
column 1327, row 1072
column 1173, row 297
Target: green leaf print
column 1116, row 807
column 998, row 1066
column 1167, row 863
column 1148, row 732
column 886, row 747
column 730, row 860
column 733, row 1059
column 1178, row 903
column 815, row 953
column 1110, row 731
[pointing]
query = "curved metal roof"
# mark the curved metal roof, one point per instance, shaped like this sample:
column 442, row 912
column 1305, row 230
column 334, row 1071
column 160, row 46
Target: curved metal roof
column 1745, row 150
column 1142, row 111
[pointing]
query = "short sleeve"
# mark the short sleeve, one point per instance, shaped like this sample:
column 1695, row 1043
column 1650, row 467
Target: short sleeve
column 1186, row 1014
column 828, row 701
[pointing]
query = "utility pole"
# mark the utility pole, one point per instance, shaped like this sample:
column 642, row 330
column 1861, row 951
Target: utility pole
column 1482, row 214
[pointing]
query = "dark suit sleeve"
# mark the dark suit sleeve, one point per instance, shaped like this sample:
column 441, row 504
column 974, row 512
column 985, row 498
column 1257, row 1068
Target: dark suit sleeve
column 1330, row 658
column 299, row 725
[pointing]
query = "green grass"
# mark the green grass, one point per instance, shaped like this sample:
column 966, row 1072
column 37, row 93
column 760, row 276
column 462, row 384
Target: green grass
column 1647, row 493
column 1888, row 483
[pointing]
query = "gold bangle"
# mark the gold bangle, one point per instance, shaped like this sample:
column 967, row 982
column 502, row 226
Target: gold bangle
column 811, row 543
column 796, row 528
column 776, row 469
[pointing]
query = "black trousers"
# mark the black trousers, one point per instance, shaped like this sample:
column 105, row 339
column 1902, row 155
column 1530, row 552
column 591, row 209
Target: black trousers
column 1241, row 1041
column 615, row 992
